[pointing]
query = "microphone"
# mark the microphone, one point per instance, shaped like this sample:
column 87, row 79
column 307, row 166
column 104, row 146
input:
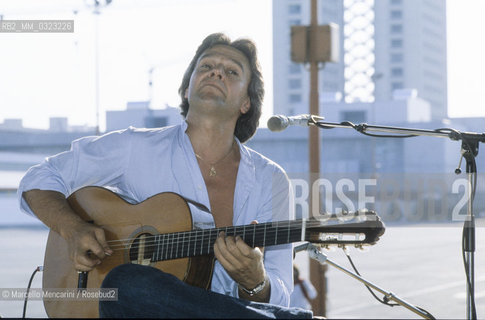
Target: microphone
column 281, row 122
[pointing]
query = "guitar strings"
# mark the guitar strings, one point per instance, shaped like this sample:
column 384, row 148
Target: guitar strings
column 276, row 224
column 195, row 234
column 191, row 236
column 295, row 224
column 194, row 237
column 171, row 250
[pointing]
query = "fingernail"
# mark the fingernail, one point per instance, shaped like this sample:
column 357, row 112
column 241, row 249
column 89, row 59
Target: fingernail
column 238, row 238
column 107, row 253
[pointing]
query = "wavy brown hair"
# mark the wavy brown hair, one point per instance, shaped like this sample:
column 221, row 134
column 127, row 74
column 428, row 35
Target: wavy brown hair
column 247, row 123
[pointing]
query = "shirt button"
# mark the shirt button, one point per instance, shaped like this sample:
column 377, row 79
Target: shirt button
column 199, row 187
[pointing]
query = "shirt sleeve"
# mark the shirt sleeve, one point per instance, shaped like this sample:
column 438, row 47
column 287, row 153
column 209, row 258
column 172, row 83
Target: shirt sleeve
column 91, row 161
column 278, row 260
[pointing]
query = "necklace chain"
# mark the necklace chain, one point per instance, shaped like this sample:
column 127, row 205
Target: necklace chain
column 212, row 171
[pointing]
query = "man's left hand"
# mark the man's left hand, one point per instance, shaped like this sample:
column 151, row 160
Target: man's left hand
column 243, row 263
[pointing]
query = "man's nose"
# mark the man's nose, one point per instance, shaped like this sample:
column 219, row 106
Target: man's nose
column 218, row 72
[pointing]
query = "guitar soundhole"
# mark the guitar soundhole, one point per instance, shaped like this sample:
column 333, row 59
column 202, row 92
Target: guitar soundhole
column 141, row 249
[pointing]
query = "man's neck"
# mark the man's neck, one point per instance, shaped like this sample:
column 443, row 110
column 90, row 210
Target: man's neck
column 211, row 139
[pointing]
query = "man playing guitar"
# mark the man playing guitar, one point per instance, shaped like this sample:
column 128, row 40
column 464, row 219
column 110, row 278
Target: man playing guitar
column 202, row 159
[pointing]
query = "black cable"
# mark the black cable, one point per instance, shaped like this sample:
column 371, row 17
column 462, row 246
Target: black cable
column 28, row 288
column 361, row 129
column 384, row 301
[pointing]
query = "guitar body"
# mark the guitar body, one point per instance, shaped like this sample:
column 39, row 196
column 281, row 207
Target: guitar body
column 162, row 213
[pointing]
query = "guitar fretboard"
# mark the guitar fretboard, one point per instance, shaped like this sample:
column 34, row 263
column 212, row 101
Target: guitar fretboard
column 201, row 242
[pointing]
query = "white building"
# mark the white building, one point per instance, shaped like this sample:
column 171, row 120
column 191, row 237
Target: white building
column 384, row 45
column 410, row 51
column 139, row 114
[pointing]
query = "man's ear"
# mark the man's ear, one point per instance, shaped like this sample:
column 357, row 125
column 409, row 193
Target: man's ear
column 246, row 106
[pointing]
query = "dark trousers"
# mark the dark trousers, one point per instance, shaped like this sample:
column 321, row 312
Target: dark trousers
column 146, row 292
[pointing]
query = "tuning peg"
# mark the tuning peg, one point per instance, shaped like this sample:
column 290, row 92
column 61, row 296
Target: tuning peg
column 362, row 248
column 346, row 250
column 328, row 248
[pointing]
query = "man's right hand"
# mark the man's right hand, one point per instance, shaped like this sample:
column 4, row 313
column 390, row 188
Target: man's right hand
column 87, row 245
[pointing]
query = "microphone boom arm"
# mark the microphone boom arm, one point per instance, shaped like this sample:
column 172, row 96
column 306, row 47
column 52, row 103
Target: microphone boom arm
column 315, row 253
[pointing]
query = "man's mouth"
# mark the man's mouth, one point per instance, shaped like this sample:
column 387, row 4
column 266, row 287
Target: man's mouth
column 214, row 85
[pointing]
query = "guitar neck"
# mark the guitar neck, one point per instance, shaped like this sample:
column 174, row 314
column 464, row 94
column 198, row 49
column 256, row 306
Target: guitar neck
column 201, row 242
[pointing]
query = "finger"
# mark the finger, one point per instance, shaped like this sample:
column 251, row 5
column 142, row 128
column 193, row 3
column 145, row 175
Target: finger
column 222, row 260
column 220, row 256
column 260, row 248
column 100, row 236
column 223, row 244
column 231, row 245
column 228, row 250
column 243, row 248
column 83, row 262
column 90, row 243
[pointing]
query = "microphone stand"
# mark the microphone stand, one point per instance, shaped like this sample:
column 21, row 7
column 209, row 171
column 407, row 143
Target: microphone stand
column 315, row 253
column 469, row 150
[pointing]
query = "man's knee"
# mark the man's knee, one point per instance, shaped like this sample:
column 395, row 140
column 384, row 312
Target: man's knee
column 118, row 275
column 134, row 275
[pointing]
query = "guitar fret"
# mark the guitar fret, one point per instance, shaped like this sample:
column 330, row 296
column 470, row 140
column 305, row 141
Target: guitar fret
column 254, row 234
column 195, row 242
column 288, row 239
column 170, row 244
column 264, row 235
column 180, row 250
column 177, row 242
column 209, row 241
column 202, row 240
column 172, row 247
column 160, row 254
column 276, row 235
column 188, row 243
column 165, row 247
column 158, row 247
column 213, row 241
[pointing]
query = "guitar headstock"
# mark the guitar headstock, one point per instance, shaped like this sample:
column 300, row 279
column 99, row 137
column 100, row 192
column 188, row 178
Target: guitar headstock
column 362, row 227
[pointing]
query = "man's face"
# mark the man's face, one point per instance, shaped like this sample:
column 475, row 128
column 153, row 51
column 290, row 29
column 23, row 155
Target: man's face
column 220, row 81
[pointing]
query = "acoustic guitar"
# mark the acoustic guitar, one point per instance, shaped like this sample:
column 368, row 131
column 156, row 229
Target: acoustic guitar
column 159, row 232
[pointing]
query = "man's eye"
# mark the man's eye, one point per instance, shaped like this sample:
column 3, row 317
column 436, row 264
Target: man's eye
column 233, row 72
column 205, row 66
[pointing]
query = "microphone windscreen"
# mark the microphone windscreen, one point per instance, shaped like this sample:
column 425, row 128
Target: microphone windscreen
column 275, row 123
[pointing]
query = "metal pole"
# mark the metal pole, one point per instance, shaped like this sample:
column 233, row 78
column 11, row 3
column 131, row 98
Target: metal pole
column 317, row 271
